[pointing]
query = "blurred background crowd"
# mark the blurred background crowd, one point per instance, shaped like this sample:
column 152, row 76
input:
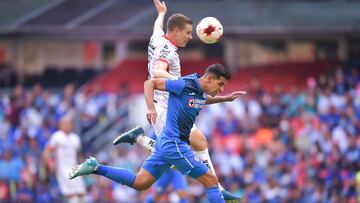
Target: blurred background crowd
column 296, row 145
column 293, row 138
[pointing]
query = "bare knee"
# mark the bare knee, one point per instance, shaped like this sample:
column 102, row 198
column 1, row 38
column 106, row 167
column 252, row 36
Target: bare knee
column 141, row 184
column 213, row 181
column 198, row 140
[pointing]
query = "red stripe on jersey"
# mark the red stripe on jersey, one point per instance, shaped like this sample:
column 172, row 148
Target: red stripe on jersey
column 163, row 60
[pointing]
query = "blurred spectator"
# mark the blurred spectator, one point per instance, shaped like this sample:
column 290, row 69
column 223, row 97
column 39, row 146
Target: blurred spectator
column 66, row 146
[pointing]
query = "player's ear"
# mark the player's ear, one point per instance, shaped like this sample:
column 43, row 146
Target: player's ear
column 176, row 31
column 210, row 77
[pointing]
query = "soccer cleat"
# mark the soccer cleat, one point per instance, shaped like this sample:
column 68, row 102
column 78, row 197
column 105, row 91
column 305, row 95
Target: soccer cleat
column 129, row 136
column 230, row 197
column 86, row 168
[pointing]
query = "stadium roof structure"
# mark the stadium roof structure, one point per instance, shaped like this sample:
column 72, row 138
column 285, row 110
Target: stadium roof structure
column 133, row 19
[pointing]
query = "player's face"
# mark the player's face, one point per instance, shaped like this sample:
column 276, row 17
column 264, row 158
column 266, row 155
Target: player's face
column 66, row 126
column 216, row 85
column 184, row 36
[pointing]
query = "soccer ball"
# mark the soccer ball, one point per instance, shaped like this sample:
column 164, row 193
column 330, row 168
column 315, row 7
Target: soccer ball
column 209, row 30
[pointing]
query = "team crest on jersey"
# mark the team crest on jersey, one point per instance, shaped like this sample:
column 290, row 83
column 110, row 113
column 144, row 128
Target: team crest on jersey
column 195, row 103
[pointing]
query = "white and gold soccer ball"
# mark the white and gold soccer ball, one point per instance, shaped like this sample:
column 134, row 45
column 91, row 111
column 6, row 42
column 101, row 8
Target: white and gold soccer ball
column 209, row 30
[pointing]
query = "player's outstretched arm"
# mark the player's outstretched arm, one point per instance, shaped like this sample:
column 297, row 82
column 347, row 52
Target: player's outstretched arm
column 149, row 87
column 161, row 10
column 226, row 98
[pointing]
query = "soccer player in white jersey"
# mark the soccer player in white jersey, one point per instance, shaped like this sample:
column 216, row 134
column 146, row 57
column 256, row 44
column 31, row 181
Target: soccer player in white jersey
column 163, row 62
column 64, row 145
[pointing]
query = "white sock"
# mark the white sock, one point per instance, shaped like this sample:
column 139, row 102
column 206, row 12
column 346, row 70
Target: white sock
column 74, row 199
column 205, row 158
column 146, row 142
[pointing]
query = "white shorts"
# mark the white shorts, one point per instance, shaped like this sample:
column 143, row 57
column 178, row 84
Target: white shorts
column 161, row 111
column 70, row 187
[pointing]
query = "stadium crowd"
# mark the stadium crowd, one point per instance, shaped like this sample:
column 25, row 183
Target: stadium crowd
column 296, row 144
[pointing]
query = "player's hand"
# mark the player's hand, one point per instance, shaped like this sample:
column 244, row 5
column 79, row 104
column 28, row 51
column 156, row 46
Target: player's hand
column 235, row 95
column 151, row 116
column 160, row 6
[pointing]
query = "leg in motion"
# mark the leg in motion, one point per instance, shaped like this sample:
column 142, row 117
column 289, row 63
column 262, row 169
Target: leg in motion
column 140, row 181
column 199, row 144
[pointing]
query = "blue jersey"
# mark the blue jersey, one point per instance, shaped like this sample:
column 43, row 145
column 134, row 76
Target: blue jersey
column 186, row 99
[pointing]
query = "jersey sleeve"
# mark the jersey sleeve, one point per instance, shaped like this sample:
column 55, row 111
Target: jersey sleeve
column 158, row 33
column 175, row 86
column 163, row 53
column 53, row 140
column 78, row 142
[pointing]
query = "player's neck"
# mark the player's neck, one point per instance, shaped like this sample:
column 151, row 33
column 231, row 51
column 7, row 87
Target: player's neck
column 203, row 83
column 66, row 132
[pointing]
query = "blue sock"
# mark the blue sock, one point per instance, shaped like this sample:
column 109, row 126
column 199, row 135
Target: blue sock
column 149, row 199
column 183, row 200
column 119, row 175
column 214, row 195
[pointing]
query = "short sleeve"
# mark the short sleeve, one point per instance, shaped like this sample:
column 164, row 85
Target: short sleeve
column 175, row 86
column 78, row 142
column 53, row 140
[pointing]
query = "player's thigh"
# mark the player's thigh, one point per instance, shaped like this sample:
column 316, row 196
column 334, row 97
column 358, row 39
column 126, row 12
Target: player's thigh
column 197, row 139
column 208, row 179
column 156, row 165
column 184, row 159
column 159, row 125
column 144, row 179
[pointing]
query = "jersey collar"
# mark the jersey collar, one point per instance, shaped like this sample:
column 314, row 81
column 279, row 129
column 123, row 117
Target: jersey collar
column 173, row 43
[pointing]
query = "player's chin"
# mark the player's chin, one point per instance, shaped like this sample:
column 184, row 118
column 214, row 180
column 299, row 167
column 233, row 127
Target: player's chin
column 183, row 44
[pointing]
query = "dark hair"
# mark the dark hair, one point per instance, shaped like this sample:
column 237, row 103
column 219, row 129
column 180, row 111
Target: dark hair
column 178, row 20
column 218, row 70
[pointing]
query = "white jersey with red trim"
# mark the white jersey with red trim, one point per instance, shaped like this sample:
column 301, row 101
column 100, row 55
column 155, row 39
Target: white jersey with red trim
column 161, row 48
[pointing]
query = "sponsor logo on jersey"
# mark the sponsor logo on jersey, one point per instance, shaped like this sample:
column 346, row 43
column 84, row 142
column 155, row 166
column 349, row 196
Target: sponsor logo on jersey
column 196, row 103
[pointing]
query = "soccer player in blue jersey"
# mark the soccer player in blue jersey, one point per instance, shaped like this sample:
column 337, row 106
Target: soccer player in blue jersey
column 164, row 62
column 187, row 96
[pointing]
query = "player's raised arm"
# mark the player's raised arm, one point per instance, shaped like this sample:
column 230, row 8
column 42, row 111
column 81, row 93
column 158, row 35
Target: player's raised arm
column 161, row 10
column 161, row 66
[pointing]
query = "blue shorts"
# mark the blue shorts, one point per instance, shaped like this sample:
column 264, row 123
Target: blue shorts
column 177, row 153
column 173, row 177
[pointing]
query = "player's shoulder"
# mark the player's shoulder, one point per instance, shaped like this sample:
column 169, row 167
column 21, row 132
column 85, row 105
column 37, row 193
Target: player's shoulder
column 57, row 133
column 162, row 43
column 191, row 81
column 74, row 135
column 193, row 76
column 157, row 37
column 57, row 136
column 158, row 33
